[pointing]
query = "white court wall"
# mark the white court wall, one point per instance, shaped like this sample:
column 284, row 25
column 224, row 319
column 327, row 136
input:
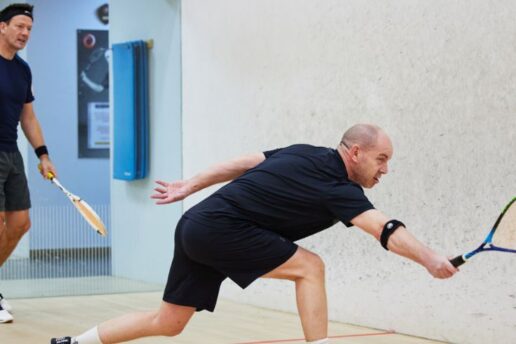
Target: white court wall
column 142, row 232
column 438, row 76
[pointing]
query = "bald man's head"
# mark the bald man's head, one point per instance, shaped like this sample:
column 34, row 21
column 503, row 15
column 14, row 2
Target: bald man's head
column 365, row 150
column 363, row 135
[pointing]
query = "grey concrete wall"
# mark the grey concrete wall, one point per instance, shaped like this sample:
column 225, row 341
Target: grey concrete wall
column 438, row 76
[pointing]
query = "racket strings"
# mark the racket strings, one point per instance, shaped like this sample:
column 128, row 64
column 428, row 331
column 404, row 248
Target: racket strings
column 91, row 216
column 505, row 233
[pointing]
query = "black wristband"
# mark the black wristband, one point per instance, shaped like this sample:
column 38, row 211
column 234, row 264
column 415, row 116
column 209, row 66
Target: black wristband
column 387, row 231
column 41, row 150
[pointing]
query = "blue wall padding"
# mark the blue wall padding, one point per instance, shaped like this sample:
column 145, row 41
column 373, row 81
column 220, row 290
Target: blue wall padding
column 130, row 110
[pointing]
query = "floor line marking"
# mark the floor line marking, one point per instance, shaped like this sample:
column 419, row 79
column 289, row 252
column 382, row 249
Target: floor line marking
column 331, row 337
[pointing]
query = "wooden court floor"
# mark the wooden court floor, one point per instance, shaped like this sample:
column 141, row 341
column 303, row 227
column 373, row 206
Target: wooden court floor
column 37, row 320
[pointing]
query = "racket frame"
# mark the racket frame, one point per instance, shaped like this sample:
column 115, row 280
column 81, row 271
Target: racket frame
column 100, row 228
column 487, row 243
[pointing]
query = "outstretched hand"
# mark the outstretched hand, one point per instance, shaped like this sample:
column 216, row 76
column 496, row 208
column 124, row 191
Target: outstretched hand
column 171, row 192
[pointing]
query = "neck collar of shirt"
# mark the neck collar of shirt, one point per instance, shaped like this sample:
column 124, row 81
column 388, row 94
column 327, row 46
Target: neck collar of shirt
column 340, row 164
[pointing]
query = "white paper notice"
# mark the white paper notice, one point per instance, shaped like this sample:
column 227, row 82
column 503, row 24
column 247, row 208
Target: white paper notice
column 98, row 125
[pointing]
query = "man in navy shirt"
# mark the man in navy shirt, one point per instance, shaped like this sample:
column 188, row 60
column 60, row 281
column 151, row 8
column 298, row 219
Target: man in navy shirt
column 16, row 107
column 248, row 228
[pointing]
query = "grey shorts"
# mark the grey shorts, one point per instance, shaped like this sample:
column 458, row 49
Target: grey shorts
column 14, row 191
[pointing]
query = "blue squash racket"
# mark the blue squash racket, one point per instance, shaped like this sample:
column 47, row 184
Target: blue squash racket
column 501, row 238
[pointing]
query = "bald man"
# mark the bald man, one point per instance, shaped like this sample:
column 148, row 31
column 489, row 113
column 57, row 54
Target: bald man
column 248, row 228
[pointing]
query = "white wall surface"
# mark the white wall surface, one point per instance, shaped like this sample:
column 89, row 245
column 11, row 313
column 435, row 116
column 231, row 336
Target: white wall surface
column 142, row 232
column 438, row 76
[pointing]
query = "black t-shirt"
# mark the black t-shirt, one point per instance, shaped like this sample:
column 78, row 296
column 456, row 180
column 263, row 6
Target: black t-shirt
column 296, row 192
column 15, row 91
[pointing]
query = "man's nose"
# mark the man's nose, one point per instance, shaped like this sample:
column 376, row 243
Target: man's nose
column 384, row 169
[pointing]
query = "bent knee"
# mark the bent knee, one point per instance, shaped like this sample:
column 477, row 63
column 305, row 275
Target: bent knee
column 16, row 232
column 169, row 328
column 16, row 223
column 310, row 265
column 303, row 264
column 21, row 228
column 24, row 228
column 314, row 265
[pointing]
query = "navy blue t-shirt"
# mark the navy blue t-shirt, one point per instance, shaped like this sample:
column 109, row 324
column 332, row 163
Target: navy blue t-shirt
column 296, row 191
column 15, row 91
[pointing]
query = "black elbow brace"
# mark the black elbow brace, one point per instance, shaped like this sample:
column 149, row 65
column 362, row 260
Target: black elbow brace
column 388, row 229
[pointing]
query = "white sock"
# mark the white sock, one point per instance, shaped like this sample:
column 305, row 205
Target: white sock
column 89, row 337
column 320, row 341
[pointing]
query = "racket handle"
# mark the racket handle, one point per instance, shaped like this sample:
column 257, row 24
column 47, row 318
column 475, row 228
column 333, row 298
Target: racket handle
column 50, row 175
column 458, row 261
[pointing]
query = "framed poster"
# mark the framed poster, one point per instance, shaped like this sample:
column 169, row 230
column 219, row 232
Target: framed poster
column 93, row 93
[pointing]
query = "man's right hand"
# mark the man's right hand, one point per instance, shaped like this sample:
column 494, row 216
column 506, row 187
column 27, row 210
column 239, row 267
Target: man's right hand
column 440, row 267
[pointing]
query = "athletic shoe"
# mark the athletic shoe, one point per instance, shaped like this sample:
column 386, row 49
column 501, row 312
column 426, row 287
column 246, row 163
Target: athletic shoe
column 5, row 316
column 4, row 304
column 62, row 340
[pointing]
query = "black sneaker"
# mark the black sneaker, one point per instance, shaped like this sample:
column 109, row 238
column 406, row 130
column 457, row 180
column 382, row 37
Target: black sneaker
column 62, row 340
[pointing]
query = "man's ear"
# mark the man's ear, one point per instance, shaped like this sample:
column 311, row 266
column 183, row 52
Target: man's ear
column 354, row 151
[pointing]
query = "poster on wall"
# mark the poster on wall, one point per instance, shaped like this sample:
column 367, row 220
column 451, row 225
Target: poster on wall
column 93, row 93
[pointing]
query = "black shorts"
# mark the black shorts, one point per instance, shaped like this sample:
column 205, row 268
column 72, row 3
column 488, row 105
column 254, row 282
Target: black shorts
column 205, row 255
column 14, row 191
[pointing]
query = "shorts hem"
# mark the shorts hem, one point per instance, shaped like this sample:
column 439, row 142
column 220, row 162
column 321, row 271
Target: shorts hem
column 21, row 208
column 245, row 283
column 198, row 308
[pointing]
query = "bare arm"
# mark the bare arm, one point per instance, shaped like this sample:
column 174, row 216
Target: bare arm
column 32, row 130
column 222, row 172
column 403, row 243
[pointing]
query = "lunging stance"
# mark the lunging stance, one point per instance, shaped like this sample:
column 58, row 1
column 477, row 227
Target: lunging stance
column 248, row 229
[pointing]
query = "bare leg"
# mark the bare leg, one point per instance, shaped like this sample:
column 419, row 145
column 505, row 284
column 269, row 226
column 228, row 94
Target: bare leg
column 169, row 320
column 13, row 225
column 306, row 269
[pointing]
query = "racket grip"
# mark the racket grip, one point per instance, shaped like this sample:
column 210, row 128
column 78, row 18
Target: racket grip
column 50, row 175
column 457, row 261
